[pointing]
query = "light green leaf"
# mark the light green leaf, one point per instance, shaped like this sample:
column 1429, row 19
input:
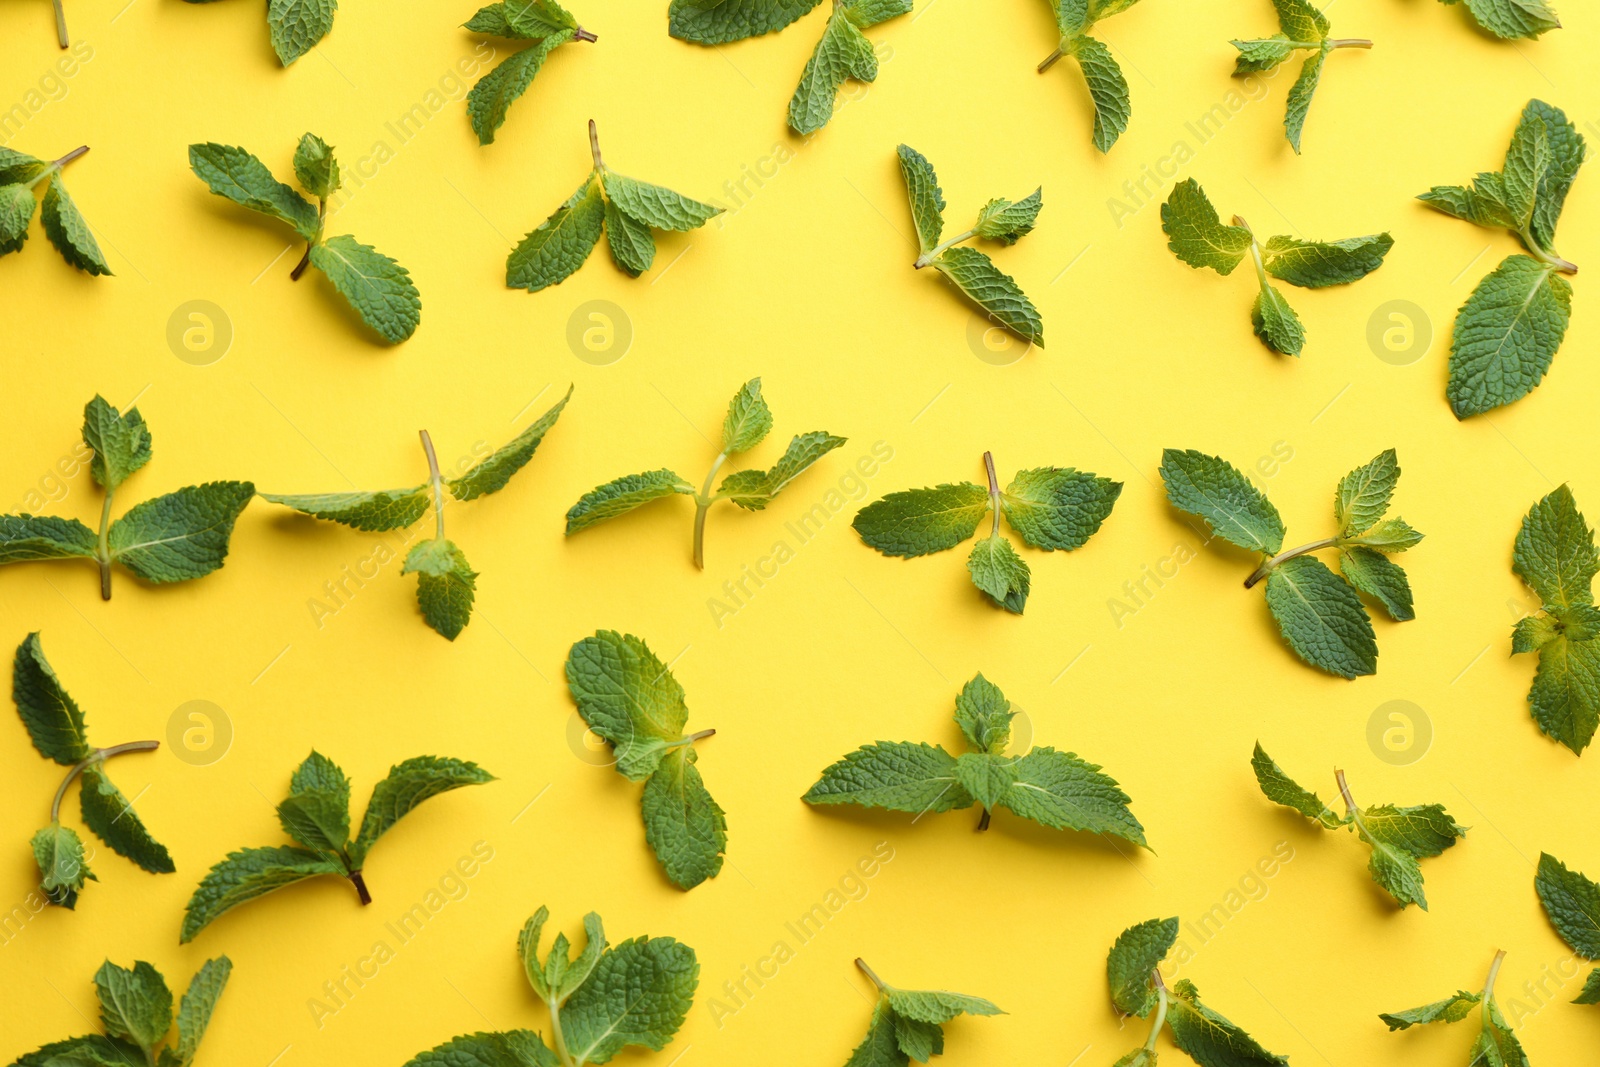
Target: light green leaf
column 446, row 584
column 1380, row 578
column 917, row 522
column 868, row 13
column 1301, row 21
column 26, row 538
column 120, row 443
column 1483, row 203
column 1318, row 264
column 1009, row 221
column 1211, row 1039
column 1263, row 54
column 1449, row 1010
column 550, row 253
column 1058, row 507
column 1555, row 553
column 511, row 1048
column 993, row 290
column 753, row 490
column 63, row 868
column 316, row 168
column 1279, row 788
column 898, row 776
column 999, row 573
column 638, row 994
column 317, row 811
column 633, row 246
column 683, row 825
column 386, row 509
column 1300, row 94
column 297, row 25
column 1064, row 792
column 748, row 420
column 407, row 785
column 843, row 53
column 112, row 818
column 1321, row 618
column 247, row 874
column 1364, row 494
column 378, row 288
column 985, row 777
column 1497, row 1045
column 181, row 535
column 984, row 715
column 1399, row 838
column 881, row 1046
column 655, row 204
column 490, row 474
column 54, row 720
column 497, row 90
column 1196, row 235
column 1513, row 19
column 239, row 176
column 18, row 166
column 1108, row 90
column 927, row 199
column 17, row 206
column 919, row 1040
column 199, row 1003
column 134, row 1004
column 628, row 697
column 1565, row 696
column 1275, row 323
column 1506, row 334
column 1213, row 489
column 623, row 495
column 1572, row 903
column 522, row 19
column 722, row 21
column 67, row 230
column 1138, row 951
column 1391, row 535
column 937, row 1006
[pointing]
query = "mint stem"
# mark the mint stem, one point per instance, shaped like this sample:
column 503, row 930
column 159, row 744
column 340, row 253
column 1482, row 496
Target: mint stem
column 868, row 971
column 438, row 483
column 61, row 25
column 103, row 546
column 99, row 755
column 361, row 887
column 52, row 169
column 1488, row 986
column 1546, row 257
column 1349, row 801
column 1161, row 1013
column 983, row 821
column 702, row 503
column 594, row 146
column 1051, row 60
column 1348, row 42
column 994, row 503
column 1270, row 565
column 305, row 260
column 70, row 156
column 928, row 257
column 581, row 34
column 691, row 739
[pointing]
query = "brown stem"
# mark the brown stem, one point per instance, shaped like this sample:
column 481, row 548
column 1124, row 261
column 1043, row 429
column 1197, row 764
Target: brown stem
column 361, row 887
column 581, row 34
column 300, row 267
column 983, row 821
column 70, row 156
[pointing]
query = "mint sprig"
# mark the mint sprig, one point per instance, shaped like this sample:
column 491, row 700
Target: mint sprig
column 1508, row 331
column 606, row 999
column 20, row 175
column 908, row 1024
column 1049, row 508
column 1572, row 903
column 136, row 1014
column 1496, row 1044
column 1052, row 788
column 1108, row 89
column 56, row 726
column 379, row 289
column 446, row 583
column 1197, row 236
column 1399, row 837
column 547, row 25
column 746, row 425
column 1512, row 20
column 316, row 815
column 630, row 699
column 968, row 269
column 170, row 538
column 1319, row 613
column 1304, row 29
column 296, row 26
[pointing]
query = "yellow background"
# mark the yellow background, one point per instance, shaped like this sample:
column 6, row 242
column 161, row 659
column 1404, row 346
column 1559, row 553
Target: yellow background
column 809, row 285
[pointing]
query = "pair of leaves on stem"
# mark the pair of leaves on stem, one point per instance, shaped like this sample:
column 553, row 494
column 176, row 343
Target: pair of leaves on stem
column 1555, row 556
column 1572, row 903
column 446, row 583
column 607, row 998
column 296, row 26
column 746, row 425
column 1197, row 236
column 547, row 25
column 377, row 287
column 1321, row 618
column 1509, row 329
column 316, row 814
column 1512, row 20
column 136, row 1014
column 1496, row 1044
column 1049, row 787
column 630, row 699
column 1399, row 837
column 968, row 269
column 20, row 175
column 170, row 538
column 1303, row 29
column 56, row 726
column 844, row 51
column 625, row 208
column 1209, row 1038
column 1108, row 89
column 907, row 1024
column 1050, row 508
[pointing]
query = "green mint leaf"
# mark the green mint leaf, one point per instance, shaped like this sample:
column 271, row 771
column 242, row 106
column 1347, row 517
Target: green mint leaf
column 134, row 1004
column 1300, row 94
column 112, row 818
column 917, row 522
column 918, row 1040
column 490, row 474
column 984, row 715
column 378, row 288
column 25, row 538
column 682, row 824
column 54, row 720
column 63, row 869
column 120, row 443
column 67, row 230
column 1137, row 952
column 522, row 19
column 1213, row 489
column 1399, row 838
column 247, row 874
column 239, row 176
column 181, row 535
column 1058, row 507
column 17, row 206
column 1262, row 54
column 315, row 167
column 936, row 1006
column 528, row 951
column 18, row 166
column 1211, row 1039
column 1064, row 792
column 317, row 811
column 386, row 509
column 407, row 785
column 446, row 584
column 574, row 973
column 1548, row 151
column 511, row 1048
column 1139, row 1057
column 1506, row 334
column 986, row 777
column 1279, row 788
column 1009, row 221
column 1565, row 696
column 199, row 1003
column 1497, row 1045
column 1108, row 91
column 1514, row 19
column 628, row 697
column 550, row 254
column 1590, row 993
column 1572, row 903
column 1449, row 1010
column 497, row 90
column 753, row 490
column 881, row 1047
column 993, row 290
column 1301, row 21
column 1482, row 203
column 927, row 199
column 1555, row 553
column 93, row 1050
column 1391, row 535
column 1196, row 234
column 1321, row 618
column 1318, row 264
column 868, row 13
column 1364, row 494
column 623, row 495
column 748, row 421
column 297, row 26
column 656, row 205
column 897, row 776
column 999, row 573
column 844, row 52
column 722, row 21
column 1380, row 578
column 638, row 994
column 633, row 246
column 1275, row 323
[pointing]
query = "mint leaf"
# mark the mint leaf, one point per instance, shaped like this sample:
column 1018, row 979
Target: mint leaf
column 17, row 206
column 378, row 288
column 497, row 90
column 26, row 538
column 682, row 824
column 527, row 20
column 936, row 1007
column 63, row 869
column 633, row 246
column 407, row 785
column 1555, row 555
column 234, row 173
column 638, row 994
column 753, row 490
column 134, row 1004
column 1300, row 94
column 181, row 535
column 120, row 443
column 1449, row 1010
column 1496, row 1044
column 917, row 522
column 882, row 1045
column 136, row 1012
column 1058, row 507
column 844, row 52
column 622, row 495
column 1009, row 221
column 1210, row 1038
column 905, row 1024
column 993, row 290
column 316, row 168
column 316, row 813
column 999, row 573
column 1137, row 952
column 246, row 875
column 298, row 25
column 112, row 818
column 386, row 509
column 199, row 1003
column 1572, row 903
column 1195, row 233
column 490, row 474
column 898, row 776
column 1321, row 618
column 1364, row 494
column 1275, row 323
column 984, row 715
column 1318, row 264
column 1108, row 91
column 1390, row 535
column 1513, row 19
column 513, row 1048
column 1213, row 489
column 925, row 196
column 748, row 421
column 1279, row 788
column 18, row 166
column 1380, row 578
column 67, row 230
column 550, row 254
column 656, row 205
column 1304, row 29
column 723, row 21
column 53, row 719
column 1064, row 792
